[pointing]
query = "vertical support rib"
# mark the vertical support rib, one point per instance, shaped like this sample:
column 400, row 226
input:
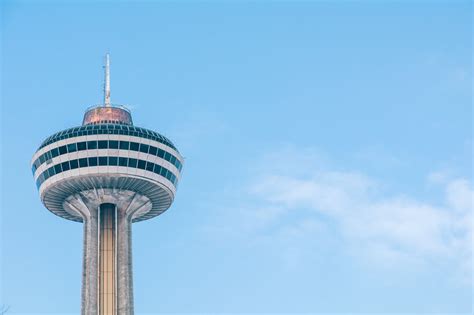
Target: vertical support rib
column 90, row 264
column 124, row 264
column 107, row 259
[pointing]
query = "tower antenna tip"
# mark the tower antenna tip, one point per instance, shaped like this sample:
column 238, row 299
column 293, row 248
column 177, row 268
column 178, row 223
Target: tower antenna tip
column 107, row 80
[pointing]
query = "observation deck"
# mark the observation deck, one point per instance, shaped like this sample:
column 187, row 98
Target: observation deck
column 112, row 113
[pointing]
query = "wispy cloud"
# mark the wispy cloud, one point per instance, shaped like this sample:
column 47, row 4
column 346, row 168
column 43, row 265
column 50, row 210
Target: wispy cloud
column 302, row 201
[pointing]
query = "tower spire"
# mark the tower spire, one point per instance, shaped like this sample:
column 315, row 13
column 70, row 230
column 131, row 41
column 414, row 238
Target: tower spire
column 107, row 81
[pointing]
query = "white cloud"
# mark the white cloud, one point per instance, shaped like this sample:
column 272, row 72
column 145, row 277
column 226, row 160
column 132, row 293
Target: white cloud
column 388, row 231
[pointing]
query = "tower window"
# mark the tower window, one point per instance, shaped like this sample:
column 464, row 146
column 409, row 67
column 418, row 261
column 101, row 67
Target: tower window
column 113, row 144
column 83, row 162
column 141, row 164
column 132, row 162
column 62, row 150
column 65, row 166
column 144, row 148
column 103, row 160
column 102, row 144
column 91, row 145
column 71, row 147
column 92, row 161
column 74, row 164
column 81, row 146
column 123, row 161
column 113, row 160
column 124, row 145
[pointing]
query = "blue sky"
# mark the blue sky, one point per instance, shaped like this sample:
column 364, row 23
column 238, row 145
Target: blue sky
column 328, row 152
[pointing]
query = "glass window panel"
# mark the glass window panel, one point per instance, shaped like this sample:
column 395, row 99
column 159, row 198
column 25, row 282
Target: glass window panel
column 71, row 147
column 157, row 169
column 124, row 145
column 133, row 146
column 91, row 145
column 65, row 166
column 103, row 160
column 113, row 144
column 113, row 160
column 163, row 171
column 103, row 144
column 132, row 162
column 42, row 158
column 144, row 148
column 74, row 164
column 81, row 146
column 92, row 161
column 149, row 166
column 62, row 150
column 141, row 164
column 54, row 152
column 167, row 156
column 57, row 168
column 123, row 161
column 153, row 150
column 173, row 160
column 161, row 153
column 83, row 162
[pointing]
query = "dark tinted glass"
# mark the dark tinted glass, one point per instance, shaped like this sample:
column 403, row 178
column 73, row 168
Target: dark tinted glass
column 167, row 156
column 144, row 148
column 132, row 162
column 157, row 169
column 71, row 147
column 57, row 168
column 106, row 129
column 65, row 165
column 103, row 160
column 153, row 150
column 141, row 164
column 123, row 161
column 81, row 146
column 102, row 144
column 55, row 152
column 83, row 162
column 124, row 145
column 91, row 145
column 113, row 160
column 62, row 150
column 134, row 146
column 163, row 171
column 161, row 153
column 74, row 164
column 149, row 166
column 113, row 144
column 92, row 161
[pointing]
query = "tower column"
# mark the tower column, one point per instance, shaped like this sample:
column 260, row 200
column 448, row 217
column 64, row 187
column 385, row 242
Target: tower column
column 107, row 263
column 90, row 264
column 124, row 263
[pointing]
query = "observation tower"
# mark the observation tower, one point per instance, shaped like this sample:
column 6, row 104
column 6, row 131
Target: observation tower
column 107, row 174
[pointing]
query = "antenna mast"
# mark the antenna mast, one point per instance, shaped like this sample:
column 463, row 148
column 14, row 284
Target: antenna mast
column 107, row 81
